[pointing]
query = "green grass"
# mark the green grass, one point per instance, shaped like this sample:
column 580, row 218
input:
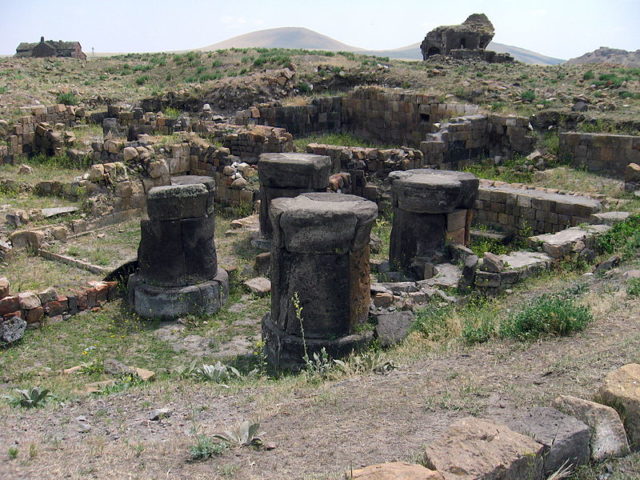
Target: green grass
column 506, row 173
column 68, row 98
column 547, row 314
column 27, row 272
column 623, row 238
column 633, row 287
column 341, row 139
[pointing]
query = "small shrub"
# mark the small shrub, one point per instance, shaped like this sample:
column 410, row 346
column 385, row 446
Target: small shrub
column 528, row 96
column 171, row 112
column 13, row 453
column 546, row 315
column 205, row 448
column 3, row 90
column 588, row 75
column 623, row 237
column 244, row 435
column 33, row 398
column 305, row 88
column 633, row 288
column 478, row 331
column 142, row 80
column 67, row 98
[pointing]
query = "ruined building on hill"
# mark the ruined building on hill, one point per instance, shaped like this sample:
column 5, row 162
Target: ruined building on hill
column 50, row 48
column 466, row 41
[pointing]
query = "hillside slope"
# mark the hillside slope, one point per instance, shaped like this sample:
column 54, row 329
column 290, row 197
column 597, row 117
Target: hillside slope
column 295, row 37
column 285, row 37
column 612, row 56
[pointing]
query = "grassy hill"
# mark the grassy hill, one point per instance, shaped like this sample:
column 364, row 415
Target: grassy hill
column 294, row 37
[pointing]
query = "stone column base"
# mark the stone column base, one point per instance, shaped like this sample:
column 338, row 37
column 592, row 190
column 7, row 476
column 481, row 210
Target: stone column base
column 287, row 351
column 150, row 301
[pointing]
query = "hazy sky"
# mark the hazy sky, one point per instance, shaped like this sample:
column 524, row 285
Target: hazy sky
column 558, row 28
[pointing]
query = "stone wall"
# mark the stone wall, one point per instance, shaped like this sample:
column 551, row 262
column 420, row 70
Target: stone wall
column 320, row 116
column 397, row 118
column 600, row 152
column 510, row 208
column 374, row 162
column 20, row 137
column 450, row 135
column 462, row 140
column 38, row 308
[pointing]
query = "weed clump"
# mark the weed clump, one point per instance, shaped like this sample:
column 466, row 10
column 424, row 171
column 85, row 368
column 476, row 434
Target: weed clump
column 68, row 98
column 548, row 314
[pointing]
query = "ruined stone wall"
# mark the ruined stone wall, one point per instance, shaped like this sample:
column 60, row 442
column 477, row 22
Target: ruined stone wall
column 396, row 118
column 20, row 137
column 320, row 116
column 600, row 152
column 461, row 141
column 374, row 162
column 514, row 207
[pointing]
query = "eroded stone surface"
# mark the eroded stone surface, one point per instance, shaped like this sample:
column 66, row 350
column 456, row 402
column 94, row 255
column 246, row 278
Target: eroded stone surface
column 608, row 438
column 393, row 471
column 621, row 390
column 477, row 449
column 566, row 439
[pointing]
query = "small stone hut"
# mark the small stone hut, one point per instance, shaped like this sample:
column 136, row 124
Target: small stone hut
column 50, row 48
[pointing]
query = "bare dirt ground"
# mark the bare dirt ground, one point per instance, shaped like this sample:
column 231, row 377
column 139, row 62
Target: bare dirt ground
column 322, row 428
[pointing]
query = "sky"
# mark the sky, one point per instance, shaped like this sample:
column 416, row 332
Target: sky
column 557, row 28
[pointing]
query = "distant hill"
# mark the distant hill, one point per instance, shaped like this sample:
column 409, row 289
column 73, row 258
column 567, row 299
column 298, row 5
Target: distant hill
column 412, row 52
column 295, row 37
column 285, row 37
column 612, row 56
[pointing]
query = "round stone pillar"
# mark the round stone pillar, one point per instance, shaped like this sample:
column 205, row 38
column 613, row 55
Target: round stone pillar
column 178, row 268
column 320, row 257
column 429, row 208
column 288, row 175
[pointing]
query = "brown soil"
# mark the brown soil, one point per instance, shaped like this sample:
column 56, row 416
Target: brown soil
column 323, row 429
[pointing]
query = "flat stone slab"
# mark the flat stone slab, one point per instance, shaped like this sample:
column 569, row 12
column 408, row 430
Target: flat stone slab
column 522, row 260
column 473, row 449
column 261, row 286
column 393, row 471
column 56, row 211
column 565, row 438
column 621, row 390
column 611, row 218
column 566, row 241
column 608, row 438
column 447, row 275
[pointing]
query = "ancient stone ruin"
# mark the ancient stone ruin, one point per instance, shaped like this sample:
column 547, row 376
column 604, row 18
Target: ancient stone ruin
column 319, row 276
column 289, row 175
column 465, row 41
column 429, row 208
column 179, row 271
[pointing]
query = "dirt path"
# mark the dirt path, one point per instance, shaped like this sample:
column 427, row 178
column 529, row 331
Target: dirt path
column 322, row 430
